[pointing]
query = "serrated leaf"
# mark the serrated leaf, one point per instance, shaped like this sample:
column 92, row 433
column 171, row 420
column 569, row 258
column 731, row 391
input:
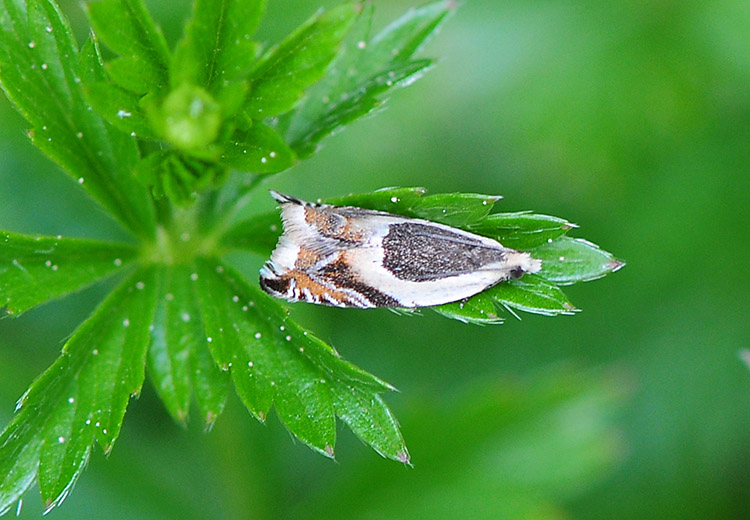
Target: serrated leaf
column 370, row 420
column 122, row 109
column 35, row 269
column 364, row 73
column 480, row 309
column 532, row 294
column 400, row 201
column 522, row 230
column 284, row 72
column 179, row 358
column 40, row 73
column 258, row 149
column 273, row 360
column 217, row 48
column 454, row 209
column 127, row 28
column 81, row 398
column 570, row 260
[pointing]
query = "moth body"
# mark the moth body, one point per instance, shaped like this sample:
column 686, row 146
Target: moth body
column 353, row 257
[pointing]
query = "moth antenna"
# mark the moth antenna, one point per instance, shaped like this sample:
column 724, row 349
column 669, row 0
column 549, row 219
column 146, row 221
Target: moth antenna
column 285, row 199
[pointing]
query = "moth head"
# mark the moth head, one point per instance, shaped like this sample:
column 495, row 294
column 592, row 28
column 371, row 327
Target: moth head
column 522, row 263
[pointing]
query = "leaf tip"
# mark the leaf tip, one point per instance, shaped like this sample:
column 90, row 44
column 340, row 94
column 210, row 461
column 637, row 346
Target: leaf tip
column 329, row 452
column 614, row 265
column 209, row 420
column 404, row 457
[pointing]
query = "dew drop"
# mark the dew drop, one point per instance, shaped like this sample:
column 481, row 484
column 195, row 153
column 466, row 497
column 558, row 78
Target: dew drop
column 219, row 269
column 562, row 258
column 185, row 317
column 257, row 335
column 80, row 180
column 272, row 155
column 71, row 400
column 250, row 364
column 126, row 322
column 61, row 439
column 394, row 199
column 79, row 135
column 95, row 352
column 118, row 262
column 104, row 431
column 32, row 45
column 140, row 285
column 54, row 267
column 123, row 113
column 288, row 338
column 263, row 160
column 48, row 29
column 244, row 308
column 209, row 339
column 194, row 276
column 282, row 328
column 48, row 263
column 44, row 66
column 169, row 296
column 361, row 44
column 235, row 298
column 302, row 349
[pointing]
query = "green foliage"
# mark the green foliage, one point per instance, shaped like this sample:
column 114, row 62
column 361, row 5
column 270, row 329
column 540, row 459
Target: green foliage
column 152, row 135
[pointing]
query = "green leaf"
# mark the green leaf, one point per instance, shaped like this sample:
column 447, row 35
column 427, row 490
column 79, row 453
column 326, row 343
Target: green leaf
column 370, row 420
column 179, row 357
column 400, row 201
column 217, row 48
column 81, row 398
column 258, row 149
column 364, row 73
column 127, row 28
column 40, row 73
column 522, row 230
column 480, row 309
column 273, row 360
column 284, row 72
column 454, row 209
column 35, row 269
column 570, row 260
column 121, row 108
column 531, row 294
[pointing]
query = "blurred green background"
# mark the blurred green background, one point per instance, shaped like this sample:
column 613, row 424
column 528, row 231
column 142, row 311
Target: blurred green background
column 631, row 119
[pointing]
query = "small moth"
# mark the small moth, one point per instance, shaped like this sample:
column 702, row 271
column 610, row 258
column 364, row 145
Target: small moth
column 353, row 257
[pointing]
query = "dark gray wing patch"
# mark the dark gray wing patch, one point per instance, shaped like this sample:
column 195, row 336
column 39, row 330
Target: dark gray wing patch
column 419, row 252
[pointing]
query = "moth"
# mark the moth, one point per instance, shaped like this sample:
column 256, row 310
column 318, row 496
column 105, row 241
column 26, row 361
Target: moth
column 352, row 257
